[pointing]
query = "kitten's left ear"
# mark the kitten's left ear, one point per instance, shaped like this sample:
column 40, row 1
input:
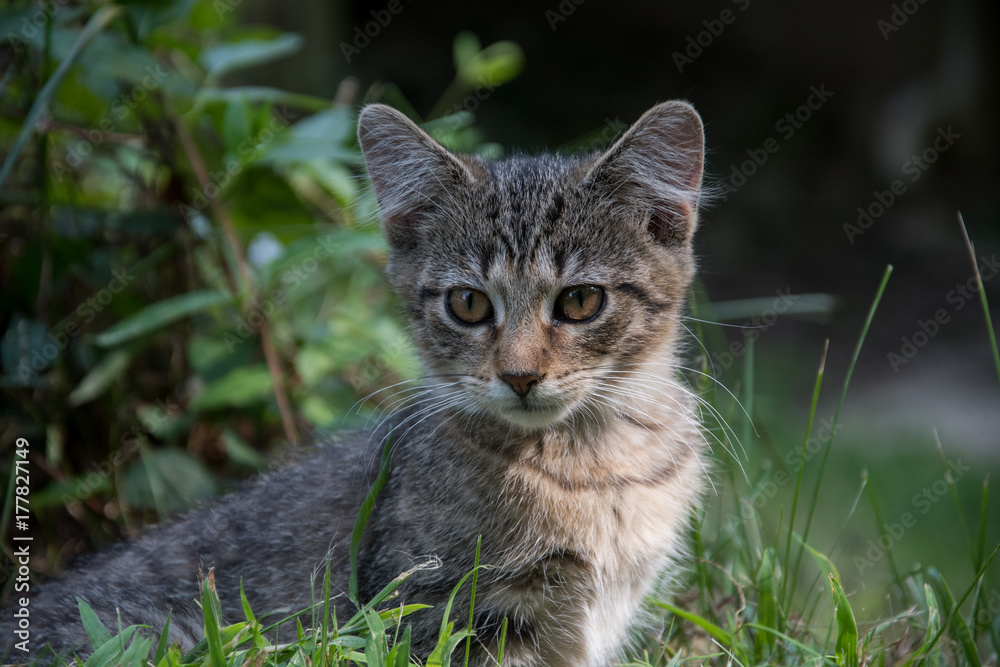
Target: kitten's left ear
column 412, row 174
column 658, row 165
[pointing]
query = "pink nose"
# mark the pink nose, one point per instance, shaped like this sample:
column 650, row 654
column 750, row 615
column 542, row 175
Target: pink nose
column 521, row 384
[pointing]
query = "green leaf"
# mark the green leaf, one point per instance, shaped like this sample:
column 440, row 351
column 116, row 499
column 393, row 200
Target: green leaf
column 161, row 646
column 101, row 18
column 160, row 314
column 847, row 627
column 723, row 637
column 324, row 135
column 96, row 631
column 224, row 58
column 767, row 606
column 137, row 652
column 375, row 646
column 100, row 377
column 236, row 123
column 210, row 608
column 111, row 652
column 247, row 611
column 313, row 364
column 959, row 628
column 399, row 656
column 362, row 518
column 496, row 64
column 472, row 597
column 167, row 480
column 257, row 95
column 239, row 387
column 465, row 48
column 933, row 623
column 240, row 452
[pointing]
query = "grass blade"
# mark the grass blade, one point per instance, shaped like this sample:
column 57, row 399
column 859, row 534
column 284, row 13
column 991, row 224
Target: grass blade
column 210, row 608
column 503, row 642
column 101, row 18
column 792, row 641
column 933, row 622
column 847, row 627
column 375, row 647
column 982, row 522
column 767, row 607
column 161, row 646
column 959, row 628
column 362, row 520
column 982, row 295
column 472, row 601
column 326, row 613
column 955, row 608
column 112, row 651
column 880, row 522
column 96, row 632
column 400, row 653
column 786, row 594
column 950, row 481
column 840, row 406
column 720, row 635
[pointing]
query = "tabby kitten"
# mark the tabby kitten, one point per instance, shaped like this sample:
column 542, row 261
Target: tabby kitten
column 545, row 295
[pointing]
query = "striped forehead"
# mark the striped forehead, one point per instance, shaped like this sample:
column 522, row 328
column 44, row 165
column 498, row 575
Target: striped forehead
column 523, row 217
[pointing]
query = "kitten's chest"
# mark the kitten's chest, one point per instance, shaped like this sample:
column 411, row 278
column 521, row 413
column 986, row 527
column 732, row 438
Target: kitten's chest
column 615, row 505
column 585, row 540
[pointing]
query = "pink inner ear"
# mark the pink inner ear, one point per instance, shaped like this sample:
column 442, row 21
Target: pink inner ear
column 671, row 224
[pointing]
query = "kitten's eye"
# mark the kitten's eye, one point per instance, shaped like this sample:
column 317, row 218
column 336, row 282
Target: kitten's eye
column 579, row 303
column 469, row 305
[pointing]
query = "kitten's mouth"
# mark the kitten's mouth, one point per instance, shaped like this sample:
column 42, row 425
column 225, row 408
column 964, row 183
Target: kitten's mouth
column 532, row 415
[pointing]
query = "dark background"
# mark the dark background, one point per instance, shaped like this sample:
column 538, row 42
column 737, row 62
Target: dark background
column 893, row 87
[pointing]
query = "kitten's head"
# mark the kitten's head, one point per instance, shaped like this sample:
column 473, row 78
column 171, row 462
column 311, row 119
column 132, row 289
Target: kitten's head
column 536, row 284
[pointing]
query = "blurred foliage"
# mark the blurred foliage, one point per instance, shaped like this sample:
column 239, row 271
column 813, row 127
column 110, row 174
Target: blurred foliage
column 140, row 297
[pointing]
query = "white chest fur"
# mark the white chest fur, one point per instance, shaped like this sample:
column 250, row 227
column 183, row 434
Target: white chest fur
column 593, row 531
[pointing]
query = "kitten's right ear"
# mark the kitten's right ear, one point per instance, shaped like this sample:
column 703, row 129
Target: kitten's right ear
column 657, row 166
column 410, row 172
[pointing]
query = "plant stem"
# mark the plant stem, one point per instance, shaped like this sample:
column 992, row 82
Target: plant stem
column 249, row 284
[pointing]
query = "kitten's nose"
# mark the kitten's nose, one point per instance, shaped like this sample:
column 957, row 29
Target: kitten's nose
column 521, row 384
